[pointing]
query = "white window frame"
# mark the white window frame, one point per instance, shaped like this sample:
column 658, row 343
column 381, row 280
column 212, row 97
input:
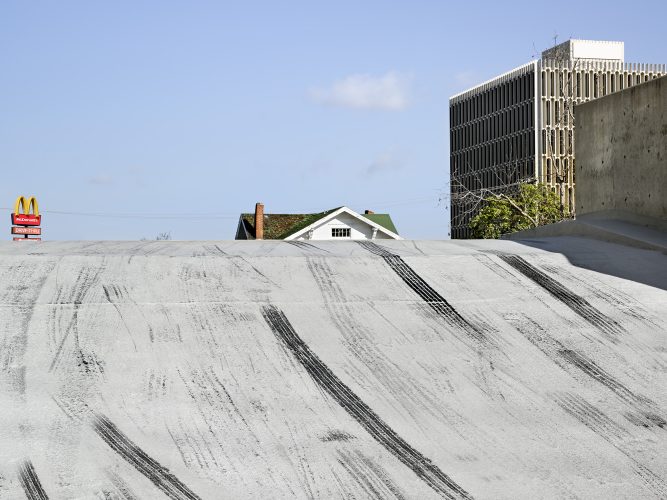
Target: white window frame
column 342, row 230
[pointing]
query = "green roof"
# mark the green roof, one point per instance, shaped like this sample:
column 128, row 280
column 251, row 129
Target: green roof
column 383, row 220
column 280, row 226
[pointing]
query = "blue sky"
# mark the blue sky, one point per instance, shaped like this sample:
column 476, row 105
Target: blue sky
column 175, row 117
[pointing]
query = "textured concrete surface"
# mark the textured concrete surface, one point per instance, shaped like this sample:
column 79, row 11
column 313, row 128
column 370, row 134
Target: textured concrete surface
column 621, row 143
column 476, row 369
column 624, row 228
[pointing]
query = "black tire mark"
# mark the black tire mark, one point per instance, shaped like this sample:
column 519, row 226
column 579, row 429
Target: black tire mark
column 376, row 249
column 617, row 299
column 357, row 337
column 654, row 481
column 85, row 280
column 647, row 414
column 135, row 456
column 308, row 247
column 608, row 430
column 370, row 476
column 357, row 409
column 590, row 416
column 591, row 368
column 112, row 293
column 266, row 279
column 567, row 358
column 30, row 482
column 432, row 298
column 23, row 285
column 214, row 250
column 336, row 435
column 575, row 302
column 121, row 487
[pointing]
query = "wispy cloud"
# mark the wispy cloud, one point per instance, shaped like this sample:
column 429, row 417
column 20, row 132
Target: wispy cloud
column 388, row 92
column 101, row 180
column 386, row 162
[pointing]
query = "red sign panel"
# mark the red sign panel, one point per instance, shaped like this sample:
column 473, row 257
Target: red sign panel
column 26, row 230
column 26, row 220
column 27, row 239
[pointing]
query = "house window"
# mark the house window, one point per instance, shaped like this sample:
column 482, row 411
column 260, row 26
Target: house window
column 340, row 232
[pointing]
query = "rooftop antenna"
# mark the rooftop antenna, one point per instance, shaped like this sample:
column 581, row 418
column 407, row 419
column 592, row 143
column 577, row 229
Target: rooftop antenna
column 535, row 52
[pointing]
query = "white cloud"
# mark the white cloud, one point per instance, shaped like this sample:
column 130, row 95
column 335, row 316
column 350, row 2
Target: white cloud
column 388, row 92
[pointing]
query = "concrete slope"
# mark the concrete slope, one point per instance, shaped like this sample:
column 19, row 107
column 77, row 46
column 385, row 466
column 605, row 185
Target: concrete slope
column 185, row 370
column 623, row 228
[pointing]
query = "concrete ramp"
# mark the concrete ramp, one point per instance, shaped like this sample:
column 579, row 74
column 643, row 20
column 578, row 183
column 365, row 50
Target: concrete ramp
column 187, row 370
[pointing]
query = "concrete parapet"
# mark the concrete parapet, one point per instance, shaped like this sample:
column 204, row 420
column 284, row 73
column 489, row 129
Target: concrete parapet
column 622, row 152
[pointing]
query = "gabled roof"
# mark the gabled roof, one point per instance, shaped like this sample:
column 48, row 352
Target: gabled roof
column 283, row 226
column 383, row 220
column 280, row 226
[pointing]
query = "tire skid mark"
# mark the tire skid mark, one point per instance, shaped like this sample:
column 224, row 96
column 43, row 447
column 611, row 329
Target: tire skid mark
column 575, row 302
column 590, row 416
column 214, row 250
column 370, row 476
column 121, row 487
column 218, row 411
column 611, row 432
column 591, row 368
column 648, row 415
column 358, row 340
column 85, row 280
column 567, row 359
column 257, row 271
column 357, row 409
column 159, row 475
column 308, row 247
column 29, row 284
column 114, row 295
column 617, row 299
column 432, row 298
column 301, row 465
column 30, row 482
column 200, row 447
column 209, row 388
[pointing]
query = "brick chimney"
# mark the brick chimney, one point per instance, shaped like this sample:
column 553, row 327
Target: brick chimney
column 259, row 221
column 368, row 212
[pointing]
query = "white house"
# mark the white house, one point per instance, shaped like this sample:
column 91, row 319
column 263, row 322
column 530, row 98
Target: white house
column 339, row 223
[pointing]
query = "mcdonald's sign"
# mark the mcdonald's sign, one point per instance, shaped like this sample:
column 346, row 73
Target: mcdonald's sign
column 26, row 230
column 22, row 209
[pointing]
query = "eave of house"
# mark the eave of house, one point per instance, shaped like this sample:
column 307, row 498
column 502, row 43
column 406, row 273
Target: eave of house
column 334, row 214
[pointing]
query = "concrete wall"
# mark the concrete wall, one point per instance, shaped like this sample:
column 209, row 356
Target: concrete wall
column 621, row 142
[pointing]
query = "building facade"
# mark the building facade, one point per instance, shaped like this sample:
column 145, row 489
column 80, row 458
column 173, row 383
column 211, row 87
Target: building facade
column 519, row 126
column 340, row 223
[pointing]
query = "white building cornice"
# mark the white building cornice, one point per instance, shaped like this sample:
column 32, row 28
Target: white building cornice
column 518, row 71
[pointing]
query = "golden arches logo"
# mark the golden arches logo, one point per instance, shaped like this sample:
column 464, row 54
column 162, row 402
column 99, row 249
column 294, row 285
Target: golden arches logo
column 26, row 205
column 22, row 209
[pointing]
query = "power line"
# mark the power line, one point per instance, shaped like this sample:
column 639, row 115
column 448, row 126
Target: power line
column 138, row 215
column 219, row 216
column 144, row 215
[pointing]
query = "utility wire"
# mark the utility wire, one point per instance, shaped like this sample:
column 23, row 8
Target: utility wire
column 137, row 215
column 214, row 216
